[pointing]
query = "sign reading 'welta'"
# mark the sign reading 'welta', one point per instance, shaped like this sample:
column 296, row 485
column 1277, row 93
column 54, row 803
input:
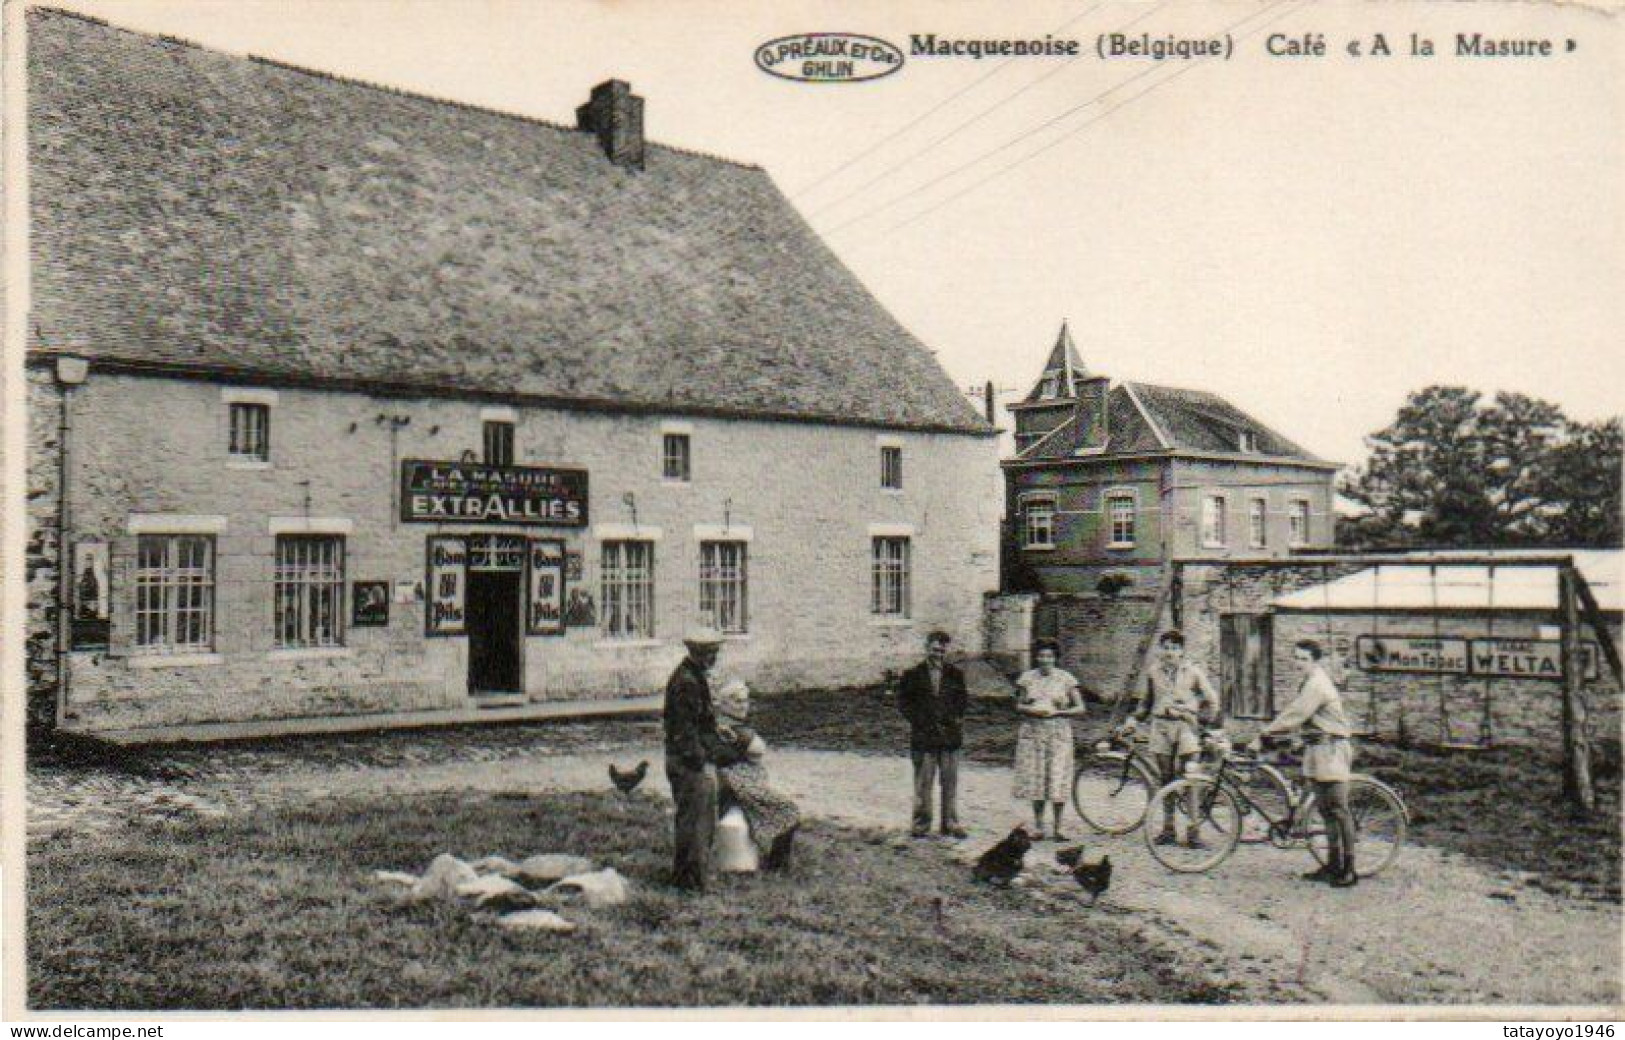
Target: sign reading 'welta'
column 464, row 492
column 1489, row 658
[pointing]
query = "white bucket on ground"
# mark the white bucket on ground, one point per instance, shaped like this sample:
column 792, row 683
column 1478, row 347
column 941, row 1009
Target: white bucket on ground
column 733, row 852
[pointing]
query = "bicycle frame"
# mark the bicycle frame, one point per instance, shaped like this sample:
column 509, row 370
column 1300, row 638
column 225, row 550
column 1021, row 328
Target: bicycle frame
column 1281, row 830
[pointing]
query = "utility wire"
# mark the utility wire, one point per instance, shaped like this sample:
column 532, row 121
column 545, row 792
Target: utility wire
column 1018, row 138
column 928, row 113
column 978, row 117
column 1085, row 125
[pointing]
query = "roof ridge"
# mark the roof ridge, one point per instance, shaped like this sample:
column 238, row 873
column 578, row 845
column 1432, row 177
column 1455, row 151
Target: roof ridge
column 1071, row 420
column 1157, row 431
column 384, row 88
column 467, row 106
column 81, row 16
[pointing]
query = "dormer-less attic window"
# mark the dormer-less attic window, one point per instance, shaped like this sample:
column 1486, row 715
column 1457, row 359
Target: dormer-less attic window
column 1052, row 386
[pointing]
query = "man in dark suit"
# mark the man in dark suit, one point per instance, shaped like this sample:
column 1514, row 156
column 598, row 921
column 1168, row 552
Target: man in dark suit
column 693, row 751
column 932, row 697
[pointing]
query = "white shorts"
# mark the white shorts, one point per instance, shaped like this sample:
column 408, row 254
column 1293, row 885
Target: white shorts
column 1329, row 761
column 1173, row 737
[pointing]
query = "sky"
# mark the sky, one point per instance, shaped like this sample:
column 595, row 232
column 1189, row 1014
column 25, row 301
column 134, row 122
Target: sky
column 1312, row 238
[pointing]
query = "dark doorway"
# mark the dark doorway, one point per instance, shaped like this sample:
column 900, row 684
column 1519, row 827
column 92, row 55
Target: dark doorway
column 495, row 615
column 1245, row 679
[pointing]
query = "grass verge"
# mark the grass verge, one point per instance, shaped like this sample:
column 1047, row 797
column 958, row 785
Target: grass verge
column 278, row 910
column 1503, row 807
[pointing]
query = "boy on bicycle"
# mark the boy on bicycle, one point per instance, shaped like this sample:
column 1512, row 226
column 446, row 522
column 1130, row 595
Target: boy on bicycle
column 1178, row 700
column 1328, row 758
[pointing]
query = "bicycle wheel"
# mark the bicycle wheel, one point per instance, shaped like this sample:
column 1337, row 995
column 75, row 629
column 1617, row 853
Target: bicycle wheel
column 1381, row 824
column 1110, row 792
column 1271, row 799
column 1200, row 810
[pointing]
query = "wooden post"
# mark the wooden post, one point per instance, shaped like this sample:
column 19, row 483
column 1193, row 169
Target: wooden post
column 1176, row 595
column 1577, row 785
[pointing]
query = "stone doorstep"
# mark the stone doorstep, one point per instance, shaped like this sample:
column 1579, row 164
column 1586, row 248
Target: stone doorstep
column 475, row 714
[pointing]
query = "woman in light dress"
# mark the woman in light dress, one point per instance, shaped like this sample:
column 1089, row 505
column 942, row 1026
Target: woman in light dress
column 1047, row 698
column 773, row 817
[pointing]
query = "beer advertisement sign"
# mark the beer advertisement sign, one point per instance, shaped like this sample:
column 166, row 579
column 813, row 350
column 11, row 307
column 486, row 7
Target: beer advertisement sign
column 471, row 492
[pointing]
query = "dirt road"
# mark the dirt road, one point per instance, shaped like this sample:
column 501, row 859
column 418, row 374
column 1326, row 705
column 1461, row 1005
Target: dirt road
column 1435, row 928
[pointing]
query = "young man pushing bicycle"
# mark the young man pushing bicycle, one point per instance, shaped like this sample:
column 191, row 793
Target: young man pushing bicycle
column 1328, row 758
column 1179, row 699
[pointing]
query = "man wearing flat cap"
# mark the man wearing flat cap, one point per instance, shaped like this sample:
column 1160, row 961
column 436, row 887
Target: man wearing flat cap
column 693, row 751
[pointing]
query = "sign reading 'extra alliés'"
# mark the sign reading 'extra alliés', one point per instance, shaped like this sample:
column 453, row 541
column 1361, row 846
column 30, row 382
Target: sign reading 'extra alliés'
column 471, row 492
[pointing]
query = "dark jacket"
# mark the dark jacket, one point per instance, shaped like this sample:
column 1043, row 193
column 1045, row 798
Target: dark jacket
column 691, row 725
column 935, row 718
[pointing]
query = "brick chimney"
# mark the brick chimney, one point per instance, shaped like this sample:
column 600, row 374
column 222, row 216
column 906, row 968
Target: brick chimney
column 1092, row 411
column 615, row 114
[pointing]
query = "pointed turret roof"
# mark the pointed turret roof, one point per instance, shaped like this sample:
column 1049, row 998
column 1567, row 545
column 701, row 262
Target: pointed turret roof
column 1062, row 372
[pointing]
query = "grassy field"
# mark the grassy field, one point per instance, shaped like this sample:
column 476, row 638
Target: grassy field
column 1503, row 806
column 278, row 910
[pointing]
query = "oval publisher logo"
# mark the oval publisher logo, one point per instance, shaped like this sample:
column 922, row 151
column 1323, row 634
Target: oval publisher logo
column 828, row 58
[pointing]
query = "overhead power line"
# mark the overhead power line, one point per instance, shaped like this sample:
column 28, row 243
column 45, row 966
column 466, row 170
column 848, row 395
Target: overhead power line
column 1088, row 123
column 978, row 117
column 927, row 114
column 1040, row 128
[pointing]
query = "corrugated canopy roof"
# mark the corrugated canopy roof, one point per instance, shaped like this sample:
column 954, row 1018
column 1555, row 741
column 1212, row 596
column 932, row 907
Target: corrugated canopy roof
column 1415, row 588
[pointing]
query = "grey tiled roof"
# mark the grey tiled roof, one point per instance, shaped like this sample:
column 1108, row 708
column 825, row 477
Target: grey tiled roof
column 1185, row 421
column 197, row 210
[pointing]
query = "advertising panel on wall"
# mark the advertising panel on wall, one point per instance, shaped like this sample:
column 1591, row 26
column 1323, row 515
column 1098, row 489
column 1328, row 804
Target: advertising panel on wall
column 442, row 492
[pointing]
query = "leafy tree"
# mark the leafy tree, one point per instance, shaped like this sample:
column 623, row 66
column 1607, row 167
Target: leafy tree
column 1453, row 470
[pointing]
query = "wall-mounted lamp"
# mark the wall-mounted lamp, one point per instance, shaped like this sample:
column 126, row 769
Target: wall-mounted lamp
column 631, row 503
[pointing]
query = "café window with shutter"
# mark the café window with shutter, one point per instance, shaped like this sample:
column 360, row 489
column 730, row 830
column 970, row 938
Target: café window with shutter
column 675, row 460
column 891, row 467
column 1299, row 521
column 1120, row 519
column 309, row 591
column 1213, row 522
column 498, row 443
column 723, row 586
column 627, row 580
column 1040, row 522
column 890, row 569
column 250, row 438
column 174, row 593
column 1258, row 523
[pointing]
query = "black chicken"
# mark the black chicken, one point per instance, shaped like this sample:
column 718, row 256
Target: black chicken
column 1069, row 856
column 1093, row 878
column 1000, row 864
column 627, row 780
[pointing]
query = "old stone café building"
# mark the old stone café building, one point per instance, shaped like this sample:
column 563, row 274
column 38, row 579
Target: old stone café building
column 346, row 403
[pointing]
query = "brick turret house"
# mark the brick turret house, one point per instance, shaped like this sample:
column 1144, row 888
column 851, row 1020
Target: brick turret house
column 1117, row 480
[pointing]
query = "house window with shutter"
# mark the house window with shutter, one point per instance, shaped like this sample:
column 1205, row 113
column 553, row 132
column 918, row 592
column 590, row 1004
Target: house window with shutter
column 891, row 467
column 250, row 438
column 1213, row 522
column 1258, row 523
column 498, row 443
column 675, row 458
column 1120, row 520
column 1299, row 522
